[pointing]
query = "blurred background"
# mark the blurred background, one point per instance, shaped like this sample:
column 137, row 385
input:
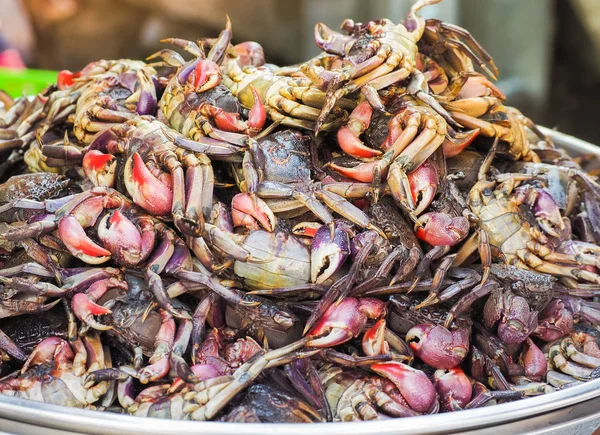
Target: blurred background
column 548, row 51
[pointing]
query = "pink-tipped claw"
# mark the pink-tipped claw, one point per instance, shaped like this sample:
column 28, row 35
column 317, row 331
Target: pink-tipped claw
column 78, row 243
column 453, row 146
column 66, row 78
column 206, row 75
column 362, row 172
column 414, row 385
column 85, row 310
column 439, row 229
column 423, row 183
column 257, row 115
column 122, row 237
column 145, row 189
column 245, row 209
column 99, row 168
column 373, row 342
column 348, row 136
column 344, row 321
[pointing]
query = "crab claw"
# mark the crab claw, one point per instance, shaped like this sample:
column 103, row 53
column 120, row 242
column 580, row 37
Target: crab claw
column 423, row 183
column 344, row 321
column 85, row 310
column 78, row 243
column 414, row 385
column 516, row 321
column 454, row 389
column 547, row 214
column 439, row 229
column 99, row 168
column 373, row 342
column 205, row 75
column 250, row 53
column 453, row 146
column 534, row 361
column 362, row 172
column 331, row 41
column 49, row 349
column 257, row 115
column 437, row 346
column 327, row 254
column 66, row 78
column 554, row 321
column 121, row 237
column 348, row 136
column 246, row 210
column 145, row 189
column 306, row 229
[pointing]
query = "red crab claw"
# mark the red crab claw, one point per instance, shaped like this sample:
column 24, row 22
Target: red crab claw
column 414, row 385
column 250, row 53
column 257, row 115
column 328, row 254
column 66, row 78
column 373, row 342
column 423, row 183
column 453, row 146
column 344, row 321
column 439, row 229
column 246, row 211
column 534, row 361
column 437, row 346
column 554, row 321
column 145, row 189
column 348, row 136
column 362, row 172
column 99, row 168
column 121, row 237
column 454, row 389
column 206, row 75
column 49, row 349
column 78, row 243
column 85, row 310
column 306, row 229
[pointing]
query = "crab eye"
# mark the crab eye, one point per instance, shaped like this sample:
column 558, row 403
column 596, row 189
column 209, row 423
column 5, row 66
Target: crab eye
column 518, row 285
column 487, row 191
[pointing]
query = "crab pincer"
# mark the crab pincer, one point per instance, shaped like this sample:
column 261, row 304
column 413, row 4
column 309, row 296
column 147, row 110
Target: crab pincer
column 437, row 346
column 414, row 385
column 440, row 229
column 344, row 321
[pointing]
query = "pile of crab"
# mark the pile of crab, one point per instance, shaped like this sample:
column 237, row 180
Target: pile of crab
column 369, row 234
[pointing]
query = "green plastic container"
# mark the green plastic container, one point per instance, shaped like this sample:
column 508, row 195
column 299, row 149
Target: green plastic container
column 25, row 81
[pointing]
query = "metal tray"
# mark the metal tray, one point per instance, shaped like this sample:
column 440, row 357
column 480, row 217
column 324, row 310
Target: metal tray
column 573, row 410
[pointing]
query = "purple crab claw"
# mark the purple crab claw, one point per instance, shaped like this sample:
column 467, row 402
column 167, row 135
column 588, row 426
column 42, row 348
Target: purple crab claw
column 555, row 321
column 437, row 346
column 548, row 215
column 327, row 254
column 454, row 389
column 534, row 361
column 512, row 314
column 414, row 385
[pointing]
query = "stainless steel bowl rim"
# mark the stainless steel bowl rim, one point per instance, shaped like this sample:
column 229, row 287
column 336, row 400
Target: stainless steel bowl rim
column 79, row 420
